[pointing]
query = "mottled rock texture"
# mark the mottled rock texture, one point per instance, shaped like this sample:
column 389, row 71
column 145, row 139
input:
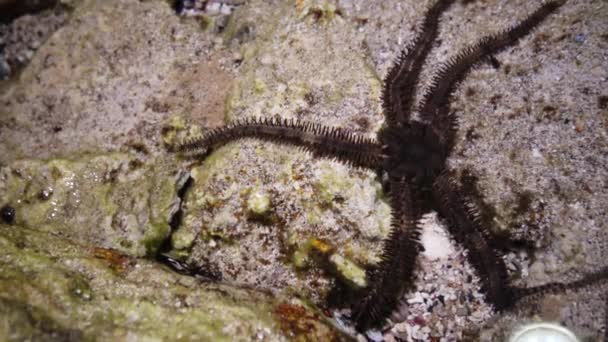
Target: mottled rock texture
column 53, row 288
column 532, row 132
column 112, row 201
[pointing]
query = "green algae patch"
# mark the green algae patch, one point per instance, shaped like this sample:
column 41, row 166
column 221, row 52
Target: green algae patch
column 258, row 204
column 29, row 323
column 100, row 199
column 317, row 250
column 177, row 129
column 182, row 239
column 196, row 199
column 349, row 271
column 54, row 287
column 321, row 12
column 331, row 184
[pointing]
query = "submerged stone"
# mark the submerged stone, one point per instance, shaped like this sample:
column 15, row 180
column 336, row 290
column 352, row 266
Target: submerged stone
column 54, row 288
column 8, row 214
column 111, row 200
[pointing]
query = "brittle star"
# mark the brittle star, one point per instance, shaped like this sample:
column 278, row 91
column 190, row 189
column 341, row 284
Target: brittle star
column 411, row 155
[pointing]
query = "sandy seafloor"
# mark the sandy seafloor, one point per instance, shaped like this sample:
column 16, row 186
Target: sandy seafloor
column 533, row 131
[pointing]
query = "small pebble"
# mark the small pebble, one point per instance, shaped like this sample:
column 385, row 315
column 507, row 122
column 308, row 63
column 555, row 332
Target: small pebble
column 225, row 10
column 374, row 335
column 8, row 214
column 213, row 8
column 580, row 38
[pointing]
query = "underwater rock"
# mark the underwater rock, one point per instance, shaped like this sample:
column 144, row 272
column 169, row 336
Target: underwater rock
column 302, row 198
column 112, row 74
column 111, row 200
column 53, row 288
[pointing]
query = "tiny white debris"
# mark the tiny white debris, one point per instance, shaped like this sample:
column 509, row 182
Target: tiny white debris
column 401, row 327
column 416, row 299
column 375, row 336
column 213, row 8
column 436, row 243
column 225, row 10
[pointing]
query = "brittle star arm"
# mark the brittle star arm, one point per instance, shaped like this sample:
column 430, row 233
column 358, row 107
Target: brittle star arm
column 434, row 106
column 393, row 276
column 452, row 203
column 464, row 226
column 401, row 80
column 322, row 141
column 535, row 292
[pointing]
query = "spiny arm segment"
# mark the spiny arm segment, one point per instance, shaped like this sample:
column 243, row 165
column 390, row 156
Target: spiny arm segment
column 322, row 141
column 557, row 287
column 394, row 275
column 401, row 80
column 464, row 224
column 450, row 74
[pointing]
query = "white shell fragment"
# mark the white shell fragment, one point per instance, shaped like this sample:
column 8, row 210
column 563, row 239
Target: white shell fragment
column 543, row 332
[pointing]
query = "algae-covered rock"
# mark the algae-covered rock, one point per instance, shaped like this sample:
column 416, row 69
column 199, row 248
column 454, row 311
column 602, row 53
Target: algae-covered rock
column 52, row 288
column 268, row 251
column 311, row 75
column 315, row 250
column 111, row 200
column 532, row 131
column 254, row 205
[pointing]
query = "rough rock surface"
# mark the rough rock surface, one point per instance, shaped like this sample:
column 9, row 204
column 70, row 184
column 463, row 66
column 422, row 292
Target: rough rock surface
column 52, row 288
column 112, row 201
column 111, row 77
column 71, row 266
column 307, row 200
column 21, row 37
column 532, row 132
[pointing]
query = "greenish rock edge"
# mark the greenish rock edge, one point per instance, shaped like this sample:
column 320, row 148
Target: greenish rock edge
column 63, row 275
column 111, row 200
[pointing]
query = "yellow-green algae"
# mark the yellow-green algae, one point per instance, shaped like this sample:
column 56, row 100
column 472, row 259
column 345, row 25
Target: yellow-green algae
column 344, row 268
column 331, row 183
column 51, row 287
column 111, row 200
column 348, row 270
column 320, row 11
column 183, row 237
column 258, row 203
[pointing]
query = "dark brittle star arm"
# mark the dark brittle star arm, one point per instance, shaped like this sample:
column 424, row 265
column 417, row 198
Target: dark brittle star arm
column 535, row 292
column 434, row 106
column 453, row 204
column 389, row 280
column 402, row 79
column 322, row 141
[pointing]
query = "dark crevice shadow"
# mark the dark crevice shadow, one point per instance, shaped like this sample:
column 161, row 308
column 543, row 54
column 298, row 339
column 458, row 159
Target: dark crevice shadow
column 10, row 10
